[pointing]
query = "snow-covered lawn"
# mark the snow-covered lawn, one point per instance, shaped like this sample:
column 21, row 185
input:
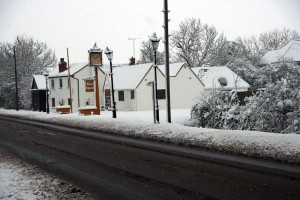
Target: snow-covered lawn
column 281, row 147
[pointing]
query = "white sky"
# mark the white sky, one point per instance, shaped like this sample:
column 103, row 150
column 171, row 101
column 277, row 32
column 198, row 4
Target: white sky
column 78, row 24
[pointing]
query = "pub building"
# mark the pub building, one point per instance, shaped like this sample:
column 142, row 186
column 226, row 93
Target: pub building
column 80, row 85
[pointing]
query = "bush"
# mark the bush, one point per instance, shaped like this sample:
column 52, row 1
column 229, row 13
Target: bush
column 276, row 108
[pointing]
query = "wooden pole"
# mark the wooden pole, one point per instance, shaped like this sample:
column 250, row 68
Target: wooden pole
column 69, row 80
column 16, row 81
column 97, row 92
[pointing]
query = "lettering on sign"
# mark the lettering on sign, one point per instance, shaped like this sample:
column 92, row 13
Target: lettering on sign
column 89, row 85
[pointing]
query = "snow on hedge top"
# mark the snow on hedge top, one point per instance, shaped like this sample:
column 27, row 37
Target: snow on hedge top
column 213, row 77
column 40, row 82
column 75, row 67
column 291, row 51
column 128, row 77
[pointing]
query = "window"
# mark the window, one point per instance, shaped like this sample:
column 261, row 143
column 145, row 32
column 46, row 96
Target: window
column 53, row 102
column 121, row 95
column 132, row 94
column 69, row 101
column 52, row 84
column 223, row 81
column 60, row 83
column 161, row 94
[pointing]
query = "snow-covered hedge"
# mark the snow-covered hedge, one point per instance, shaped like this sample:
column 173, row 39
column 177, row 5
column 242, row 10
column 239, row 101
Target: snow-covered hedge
column 276, row 108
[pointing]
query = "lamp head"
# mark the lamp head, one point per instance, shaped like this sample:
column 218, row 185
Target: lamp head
column 154, row 41
column 109, row 54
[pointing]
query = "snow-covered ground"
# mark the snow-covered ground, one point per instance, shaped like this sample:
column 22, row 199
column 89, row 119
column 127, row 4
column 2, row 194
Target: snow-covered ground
column 20, row 180
column 280, row 147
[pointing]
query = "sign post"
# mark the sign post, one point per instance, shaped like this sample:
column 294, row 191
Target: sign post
column 95, row 55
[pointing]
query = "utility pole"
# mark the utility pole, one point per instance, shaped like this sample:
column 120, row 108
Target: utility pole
column 69, row 81
column 133, row 44
column 166, row 27
column 16, row 81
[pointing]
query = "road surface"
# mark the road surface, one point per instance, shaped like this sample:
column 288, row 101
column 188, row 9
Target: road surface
column 117, row 167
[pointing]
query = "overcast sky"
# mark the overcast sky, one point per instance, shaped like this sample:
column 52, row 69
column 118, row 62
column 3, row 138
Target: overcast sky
column 78, row 24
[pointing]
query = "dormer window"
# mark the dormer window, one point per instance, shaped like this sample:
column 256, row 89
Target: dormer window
column 223, row 81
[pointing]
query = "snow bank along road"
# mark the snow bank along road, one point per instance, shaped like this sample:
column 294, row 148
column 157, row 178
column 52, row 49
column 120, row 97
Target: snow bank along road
column 279, row 147
column 118, row 167
column 20, row 180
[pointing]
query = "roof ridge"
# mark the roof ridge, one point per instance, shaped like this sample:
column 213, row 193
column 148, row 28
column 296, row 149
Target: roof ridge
column 291, row 43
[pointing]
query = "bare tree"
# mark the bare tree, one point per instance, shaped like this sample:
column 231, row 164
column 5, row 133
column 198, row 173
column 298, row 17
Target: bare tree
column 33, row 57
column 257, row 46
column 197, row 43
column 147, row 54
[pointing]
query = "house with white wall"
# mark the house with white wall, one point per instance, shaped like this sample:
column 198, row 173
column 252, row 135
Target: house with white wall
column 82, row 79
column 220, row 78
column 290, row 52
column 132, row 92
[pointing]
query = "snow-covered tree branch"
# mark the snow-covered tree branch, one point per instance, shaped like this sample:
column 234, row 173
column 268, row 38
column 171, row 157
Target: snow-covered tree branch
column 33, row 57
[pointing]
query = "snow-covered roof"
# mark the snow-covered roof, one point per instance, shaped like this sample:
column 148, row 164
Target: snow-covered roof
column 128, row 77
column 73, row 69
column 40, row 82
column 174, row 68
column 213, row 77
column 291, row 51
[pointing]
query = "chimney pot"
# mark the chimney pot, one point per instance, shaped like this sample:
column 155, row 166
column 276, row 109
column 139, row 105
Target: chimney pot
column 62, row 65
column 132, row 61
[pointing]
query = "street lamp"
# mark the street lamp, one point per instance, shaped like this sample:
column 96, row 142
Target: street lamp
column 109, row 54
column 155, row 41
column 46, row 75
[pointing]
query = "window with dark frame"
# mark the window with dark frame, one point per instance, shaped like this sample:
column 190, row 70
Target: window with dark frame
column 53, row 102
column 60, row 83
column 132, row 94
column 52, row 84
column 121, row 95
column 161, row 94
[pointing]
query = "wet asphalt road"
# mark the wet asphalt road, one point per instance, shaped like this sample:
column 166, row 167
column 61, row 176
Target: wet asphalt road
column 116, row 167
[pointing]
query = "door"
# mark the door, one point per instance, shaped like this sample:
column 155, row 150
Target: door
column 107, row 99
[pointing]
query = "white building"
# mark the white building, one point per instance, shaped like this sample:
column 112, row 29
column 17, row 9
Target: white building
column 132, row 92
column 220, row 78
column 290, row 52
column 130, row 85
column 82, row 78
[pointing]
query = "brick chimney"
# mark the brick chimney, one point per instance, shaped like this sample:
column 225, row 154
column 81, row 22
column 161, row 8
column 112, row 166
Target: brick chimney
column 132, row 61
column 62, row 65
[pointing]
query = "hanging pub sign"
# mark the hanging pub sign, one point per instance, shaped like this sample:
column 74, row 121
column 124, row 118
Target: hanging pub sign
column 95, row 55
column 89, row 85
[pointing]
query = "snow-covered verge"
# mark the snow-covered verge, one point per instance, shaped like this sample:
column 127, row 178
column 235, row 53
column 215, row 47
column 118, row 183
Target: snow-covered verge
column 20, row 180
column 279, row 147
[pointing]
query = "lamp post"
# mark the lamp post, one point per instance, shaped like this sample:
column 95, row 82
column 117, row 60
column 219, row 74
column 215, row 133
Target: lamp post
column 109, row 54
column 155, row 41
column 47, row 102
